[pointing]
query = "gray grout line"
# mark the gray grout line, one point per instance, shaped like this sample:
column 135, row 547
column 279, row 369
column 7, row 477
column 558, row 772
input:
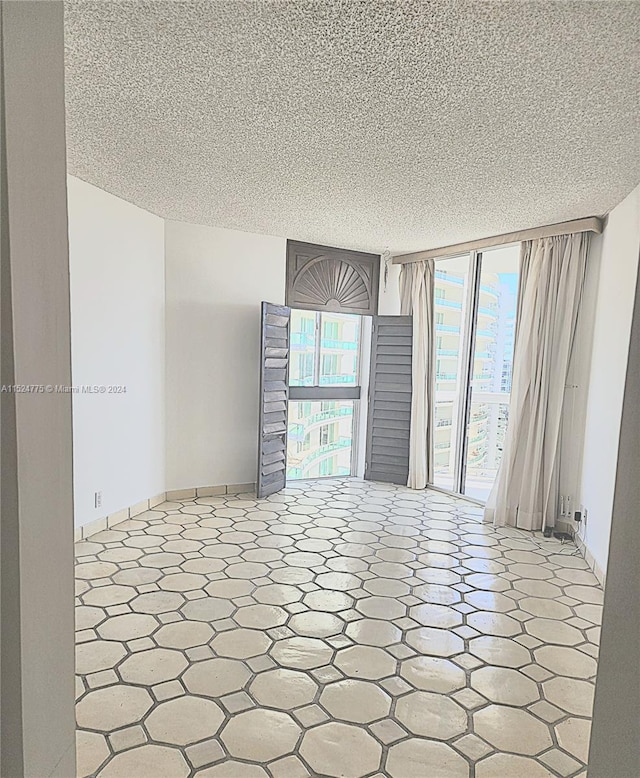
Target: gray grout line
column 454, row 524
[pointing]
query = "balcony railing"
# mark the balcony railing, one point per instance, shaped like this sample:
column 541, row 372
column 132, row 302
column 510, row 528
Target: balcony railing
column 328, row 380
column 328, row 448
column 444, row 276
column 448, row 303
column 489, row 289
column 341, row 345
column 308, row 339
column 492, row 312
column 294, row 473
column 299, row 429
column 325, row 380
column 475, row 460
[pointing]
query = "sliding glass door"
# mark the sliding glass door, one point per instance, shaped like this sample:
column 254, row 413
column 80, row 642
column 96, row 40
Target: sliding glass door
column 475, row 311
column 452, row 280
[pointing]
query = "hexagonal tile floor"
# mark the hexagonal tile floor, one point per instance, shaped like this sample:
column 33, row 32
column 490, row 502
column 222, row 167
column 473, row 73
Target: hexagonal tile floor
column 340, row 628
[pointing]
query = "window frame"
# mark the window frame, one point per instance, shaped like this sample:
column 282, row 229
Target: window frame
column 469, row 327
column 332, row 393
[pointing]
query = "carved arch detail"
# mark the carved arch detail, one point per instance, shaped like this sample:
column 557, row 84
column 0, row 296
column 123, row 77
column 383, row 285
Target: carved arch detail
column 323, row 278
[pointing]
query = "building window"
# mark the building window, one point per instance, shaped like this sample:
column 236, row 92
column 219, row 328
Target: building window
column 439, row 318
column 327, row 434
column 331, row 330
column 328, row 466
column 329, row 364
column 308, row 324
column 305, row 369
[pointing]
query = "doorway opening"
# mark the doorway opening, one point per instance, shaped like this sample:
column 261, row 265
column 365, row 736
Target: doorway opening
column 475, row 319
column 324, row 392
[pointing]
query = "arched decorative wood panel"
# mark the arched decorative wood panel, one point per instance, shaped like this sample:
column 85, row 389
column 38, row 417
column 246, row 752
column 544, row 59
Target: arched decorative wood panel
column 322, row 278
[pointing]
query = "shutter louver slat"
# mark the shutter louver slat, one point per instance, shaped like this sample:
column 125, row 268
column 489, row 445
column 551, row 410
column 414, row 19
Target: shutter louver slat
column 274, row 397
column 389, row 417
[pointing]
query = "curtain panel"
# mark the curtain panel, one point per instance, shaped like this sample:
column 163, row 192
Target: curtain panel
column 417, row 300
column 525, row 492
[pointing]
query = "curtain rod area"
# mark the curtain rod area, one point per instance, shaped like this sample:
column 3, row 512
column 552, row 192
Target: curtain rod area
column 590, row 224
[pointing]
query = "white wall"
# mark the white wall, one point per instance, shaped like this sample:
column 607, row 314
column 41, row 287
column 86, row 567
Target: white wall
column 117, row 325
column 572, row 435
column 216, row 280
column 37, row 735
column 389, row 299
column 618, row 267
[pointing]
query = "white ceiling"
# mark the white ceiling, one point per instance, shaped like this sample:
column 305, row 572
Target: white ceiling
column 363, row 123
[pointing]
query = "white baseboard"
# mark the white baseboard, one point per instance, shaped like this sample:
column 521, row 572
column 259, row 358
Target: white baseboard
column 589, row 559
column 113, row 519
column 209, row 491
column 582, row 547
column 106, row 522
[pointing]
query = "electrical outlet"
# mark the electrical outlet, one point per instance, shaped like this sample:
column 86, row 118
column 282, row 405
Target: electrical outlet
column 584, row 516
column 97, row 499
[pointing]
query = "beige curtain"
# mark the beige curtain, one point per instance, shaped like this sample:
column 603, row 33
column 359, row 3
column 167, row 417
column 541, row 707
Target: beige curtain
column 416, row 299
column 525, row 492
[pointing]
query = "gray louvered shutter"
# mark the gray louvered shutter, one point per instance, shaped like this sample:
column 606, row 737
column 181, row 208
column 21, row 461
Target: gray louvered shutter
column 274, row 399
column 389, row 415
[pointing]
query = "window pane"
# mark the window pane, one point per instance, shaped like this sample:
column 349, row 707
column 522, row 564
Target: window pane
column 492, row 366
column 451, row 283
column 339, row 349
column 319, row 440
column 303, row 341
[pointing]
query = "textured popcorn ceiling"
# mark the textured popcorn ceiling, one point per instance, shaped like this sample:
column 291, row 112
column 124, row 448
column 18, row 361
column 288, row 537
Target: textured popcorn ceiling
column 372, row 125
